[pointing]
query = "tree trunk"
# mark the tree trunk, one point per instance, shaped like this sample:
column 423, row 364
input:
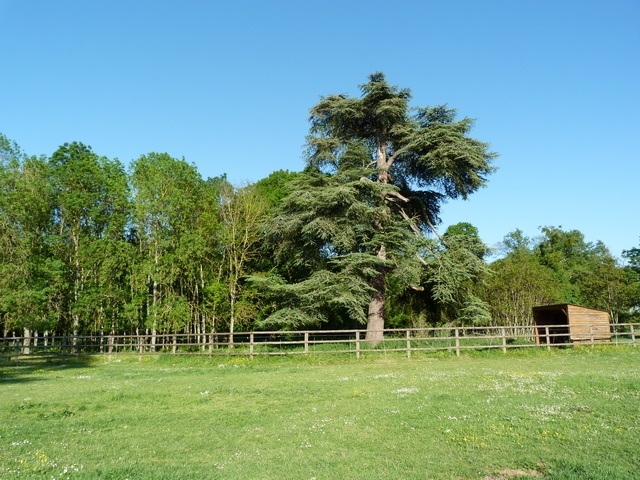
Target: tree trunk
column 155, row 316
column 110, row 340
column 75, row 332
column 26, row 342
column 155, row 299
column 101, row 329
column 203, row 330
column 203, row 317
column 76, row 292
column 232, row 317
column 375, row 316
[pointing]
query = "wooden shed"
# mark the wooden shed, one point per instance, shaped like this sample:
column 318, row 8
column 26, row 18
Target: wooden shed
column 566, row 323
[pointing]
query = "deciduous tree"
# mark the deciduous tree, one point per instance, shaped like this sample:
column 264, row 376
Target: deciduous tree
column 28, row 275
column 90, row 207
column 242, row 210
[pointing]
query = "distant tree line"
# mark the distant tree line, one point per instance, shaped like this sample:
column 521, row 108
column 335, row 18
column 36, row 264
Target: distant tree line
column 88, row 246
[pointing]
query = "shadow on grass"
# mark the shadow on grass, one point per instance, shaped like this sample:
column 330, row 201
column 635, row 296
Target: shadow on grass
column 575, row 470
column 26, row 369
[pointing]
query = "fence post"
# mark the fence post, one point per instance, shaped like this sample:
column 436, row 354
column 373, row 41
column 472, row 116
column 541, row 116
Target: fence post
column 504, row 339
column 251, row 345
column 357, row 344
column 457, row 330
column 408, row 343
column 591, row 335
column 546, row 334
column 306, row 342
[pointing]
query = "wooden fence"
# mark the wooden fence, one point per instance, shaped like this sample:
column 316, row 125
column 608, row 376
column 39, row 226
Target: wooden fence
column 408, row 341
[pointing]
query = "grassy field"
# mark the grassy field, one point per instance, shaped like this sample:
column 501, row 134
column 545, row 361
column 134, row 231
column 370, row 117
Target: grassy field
column 565, row 414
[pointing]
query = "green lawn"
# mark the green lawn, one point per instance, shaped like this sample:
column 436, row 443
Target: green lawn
column 564, row 414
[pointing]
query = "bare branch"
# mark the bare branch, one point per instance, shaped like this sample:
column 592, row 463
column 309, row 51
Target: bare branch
column 395, row 156
column 397, row 196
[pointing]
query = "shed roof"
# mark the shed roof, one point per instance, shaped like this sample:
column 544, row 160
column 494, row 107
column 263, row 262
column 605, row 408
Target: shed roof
column 559, row 305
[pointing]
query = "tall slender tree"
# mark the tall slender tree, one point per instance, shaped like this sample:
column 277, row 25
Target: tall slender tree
column 28, row 274
column 518, row 283
column 242, row 212
column 89, row 211
column 632, row 271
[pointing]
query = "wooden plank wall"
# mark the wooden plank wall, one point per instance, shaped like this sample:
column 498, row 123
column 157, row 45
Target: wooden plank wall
column 586, row 325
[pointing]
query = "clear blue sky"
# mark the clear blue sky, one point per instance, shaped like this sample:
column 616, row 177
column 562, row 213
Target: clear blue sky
column 554, row 87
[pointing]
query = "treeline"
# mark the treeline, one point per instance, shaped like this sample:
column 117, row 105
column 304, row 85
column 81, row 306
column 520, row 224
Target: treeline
column 560, row 267
column 88, row 246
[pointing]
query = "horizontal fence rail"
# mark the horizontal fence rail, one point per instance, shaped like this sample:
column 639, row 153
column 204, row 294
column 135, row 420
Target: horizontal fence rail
column 354, row 342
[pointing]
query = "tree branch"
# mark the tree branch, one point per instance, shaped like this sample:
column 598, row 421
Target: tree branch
column 395, row 156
